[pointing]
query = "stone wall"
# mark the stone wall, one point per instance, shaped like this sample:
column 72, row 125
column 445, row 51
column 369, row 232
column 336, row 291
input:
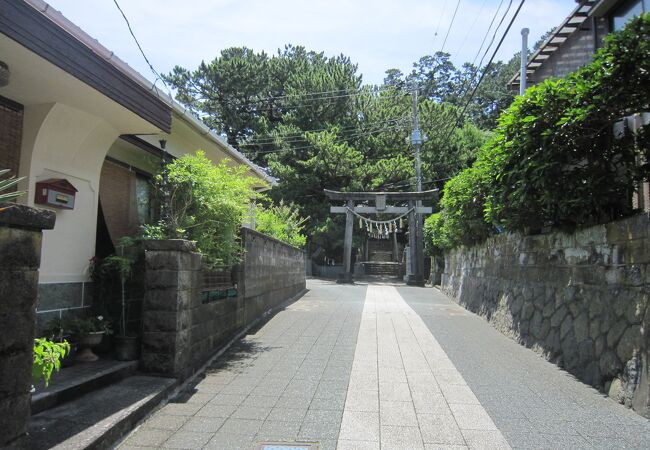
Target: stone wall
column 271, row 273
column 579, row 299
column 20, row 255
column 182, row 328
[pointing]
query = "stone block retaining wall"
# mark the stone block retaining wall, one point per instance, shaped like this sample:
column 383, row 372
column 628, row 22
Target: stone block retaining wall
column 181, row 330
column 579, row 299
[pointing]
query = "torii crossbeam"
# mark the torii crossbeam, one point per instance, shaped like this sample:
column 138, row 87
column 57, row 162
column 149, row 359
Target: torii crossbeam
column 380, row 199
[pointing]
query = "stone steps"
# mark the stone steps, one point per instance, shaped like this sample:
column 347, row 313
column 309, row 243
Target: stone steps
column 98, row 419
column 73, row 382
column 382, row 268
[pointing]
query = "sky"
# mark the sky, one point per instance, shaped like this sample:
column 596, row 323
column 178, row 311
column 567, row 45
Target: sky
column 375, row 34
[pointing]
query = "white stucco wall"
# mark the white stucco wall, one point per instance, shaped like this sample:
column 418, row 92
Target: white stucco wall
column 63, row 142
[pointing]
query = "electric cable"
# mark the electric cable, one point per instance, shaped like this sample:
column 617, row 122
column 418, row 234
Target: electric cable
column 128, row 24
column 451, row 24
column 487, row 67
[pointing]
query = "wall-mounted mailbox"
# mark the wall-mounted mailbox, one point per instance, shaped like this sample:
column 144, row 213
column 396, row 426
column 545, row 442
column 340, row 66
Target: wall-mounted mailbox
column 55, row 192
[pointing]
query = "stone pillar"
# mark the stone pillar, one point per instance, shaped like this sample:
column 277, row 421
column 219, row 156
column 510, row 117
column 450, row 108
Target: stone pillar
column 20, row 257
column 173, row 282
column 414, row 273
column 346, row 275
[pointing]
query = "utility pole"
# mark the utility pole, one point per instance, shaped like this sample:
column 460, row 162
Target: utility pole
column 415, row 231
column 524, row 60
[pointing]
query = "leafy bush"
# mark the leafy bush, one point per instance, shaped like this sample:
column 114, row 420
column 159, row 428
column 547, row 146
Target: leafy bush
column 556, row 160
column 203, row 202
column 553, row 160
column 47, row 359
column 282, row 222
column 461, row 220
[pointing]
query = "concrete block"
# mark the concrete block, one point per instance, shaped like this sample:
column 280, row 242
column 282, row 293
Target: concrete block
column 161, row 363
column 17, row 332
column 15, row 418
column 159, row 342
column 19, row 290
column 19, row 248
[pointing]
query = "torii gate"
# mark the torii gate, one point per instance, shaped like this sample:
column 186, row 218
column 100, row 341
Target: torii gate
column 379, row 198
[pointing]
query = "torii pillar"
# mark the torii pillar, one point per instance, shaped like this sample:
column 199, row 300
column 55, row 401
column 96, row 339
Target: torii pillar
column 379, row 199
column 346, row 275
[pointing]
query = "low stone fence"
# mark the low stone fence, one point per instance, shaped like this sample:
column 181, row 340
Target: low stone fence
column 20, row 255
column 329, row 272
column 188, row 316
column 579, row 299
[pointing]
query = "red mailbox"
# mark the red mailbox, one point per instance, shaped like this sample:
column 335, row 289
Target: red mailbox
column 55, row 192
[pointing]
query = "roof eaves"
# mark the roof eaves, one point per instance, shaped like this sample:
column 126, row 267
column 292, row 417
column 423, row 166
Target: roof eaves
column 93, row 44
column 554, row 41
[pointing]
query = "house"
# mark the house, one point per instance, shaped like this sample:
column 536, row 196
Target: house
column 88, row 131
column 572, row 45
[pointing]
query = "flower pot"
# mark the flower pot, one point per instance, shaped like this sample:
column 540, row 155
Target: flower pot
column 86, row 343
column 127, row 348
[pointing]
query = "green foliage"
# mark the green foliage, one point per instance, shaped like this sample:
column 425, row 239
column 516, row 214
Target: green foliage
column 553, row 160
column 461, row 220
column 282, row 222
column 204, row 202
column 47, row 359
column 81, row 326
column 554, row 154
column 6, row 185
column 348, row 137
column 436, row 234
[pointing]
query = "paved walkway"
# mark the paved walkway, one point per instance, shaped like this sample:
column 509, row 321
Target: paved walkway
column 386, row 367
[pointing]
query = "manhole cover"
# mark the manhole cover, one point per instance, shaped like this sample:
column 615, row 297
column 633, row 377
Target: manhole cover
column 287, row 446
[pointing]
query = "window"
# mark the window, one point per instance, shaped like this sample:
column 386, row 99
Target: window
column 626, row 11
column 143, row 200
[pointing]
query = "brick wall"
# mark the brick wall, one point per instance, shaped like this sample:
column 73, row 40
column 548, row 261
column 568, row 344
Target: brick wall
column 11, row 132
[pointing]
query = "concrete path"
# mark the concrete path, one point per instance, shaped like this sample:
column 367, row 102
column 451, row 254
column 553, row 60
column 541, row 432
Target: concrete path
column 386, row 367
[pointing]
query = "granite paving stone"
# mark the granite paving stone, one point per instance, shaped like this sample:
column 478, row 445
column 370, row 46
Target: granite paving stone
column 379, row 366
column 188, row 440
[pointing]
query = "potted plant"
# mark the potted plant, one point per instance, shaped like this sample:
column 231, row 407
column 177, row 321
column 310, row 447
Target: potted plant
column 89, row 333
column 116, row 270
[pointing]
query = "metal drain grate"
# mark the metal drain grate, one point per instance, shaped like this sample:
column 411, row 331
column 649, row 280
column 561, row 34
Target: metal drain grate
column 287, row 446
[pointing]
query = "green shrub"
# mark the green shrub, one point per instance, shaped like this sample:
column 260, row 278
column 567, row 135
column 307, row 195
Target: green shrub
column 554, row 156
column 462, row 207
column 203, row 202
column 436, row 233
column 282, row 222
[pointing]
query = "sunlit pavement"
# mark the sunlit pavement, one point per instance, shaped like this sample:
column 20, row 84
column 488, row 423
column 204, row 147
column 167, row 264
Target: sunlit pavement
column 386, row 367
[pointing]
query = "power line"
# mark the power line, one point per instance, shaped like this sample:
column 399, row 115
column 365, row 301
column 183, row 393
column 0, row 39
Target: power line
column 299, row 136
column 496, row 30
column 487, row 67
column 435, row 34
column 453, row 18
column 470, row 30
column 128, row 24
column 467, row 85
column 339, row 141
column 313, row 96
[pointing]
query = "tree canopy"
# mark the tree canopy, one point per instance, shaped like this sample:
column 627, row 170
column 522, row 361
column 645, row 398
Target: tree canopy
column 310, row 121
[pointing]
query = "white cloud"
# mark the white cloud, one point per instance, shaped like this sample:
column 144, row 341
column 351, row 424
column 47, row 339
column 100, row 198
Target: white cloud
column 377, row 35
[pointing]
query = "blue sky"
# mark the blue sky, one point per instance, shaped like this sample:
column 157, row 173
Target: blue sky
column 376, row 34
